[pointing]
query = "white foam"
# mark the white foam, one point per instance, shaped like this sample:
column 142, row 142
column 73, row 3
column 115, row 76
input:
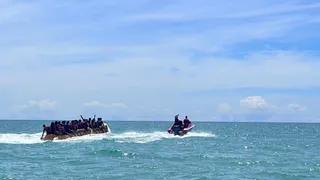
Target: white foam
column 138, row 137
column 10, row 138
column 126, row 137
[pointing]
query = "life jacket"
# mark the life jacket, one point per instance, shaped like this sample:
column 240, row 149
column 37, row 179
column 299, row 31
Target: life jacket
column 81, row 125
column 66, row 127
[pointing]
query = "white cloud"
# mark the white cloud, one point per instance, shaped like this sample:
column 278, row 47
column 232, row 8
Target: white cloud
column 251, row 108
column 154, row 73
column 254, row 102
column 297, row 107
column 256, row 109
column 99, row 104
column 218, row 48
column 42, row 109
column 115, row 111
column 42, row 105
column 152, row 81
column 95, row 104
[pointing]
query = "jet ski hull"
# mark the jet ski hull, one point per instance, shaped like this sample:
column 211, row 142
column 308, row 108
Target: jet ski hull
column 177, row 131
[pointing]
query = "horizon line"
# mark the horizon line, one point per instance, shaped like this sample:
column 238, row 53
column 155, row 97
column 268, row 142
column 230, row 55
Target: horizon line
column 208, row 121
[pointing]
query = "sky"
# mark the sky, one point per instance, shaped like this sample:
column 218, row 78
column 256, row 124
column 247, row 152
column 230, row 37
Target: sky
column 249, row 60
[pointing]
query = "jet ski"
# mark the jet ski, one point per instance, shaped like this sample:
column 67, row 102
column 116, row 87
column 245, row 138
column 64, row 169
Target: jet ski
column 175, row 129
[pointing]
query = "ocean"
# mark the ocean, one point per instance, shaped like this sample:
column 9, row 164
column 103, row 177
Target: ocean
column 144, row 150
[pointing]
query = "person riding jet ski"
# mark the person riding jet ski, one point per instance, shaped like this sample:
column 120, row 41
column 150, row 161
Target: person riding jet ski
column 186, row 122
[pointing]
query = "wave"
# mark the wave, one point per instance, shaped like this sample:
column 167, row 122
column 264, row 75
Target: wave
column 126, row 137
column 112, row 152
column 11, row 138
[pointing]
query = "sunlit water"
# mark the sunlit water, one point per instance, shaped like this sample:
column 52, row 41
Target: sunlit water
column 144, row 150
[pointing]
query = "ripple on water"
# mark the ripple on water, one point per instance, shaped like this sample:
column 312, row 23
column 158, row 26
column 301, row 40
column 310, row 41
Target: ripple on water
column 111, row 153
column 239, row 151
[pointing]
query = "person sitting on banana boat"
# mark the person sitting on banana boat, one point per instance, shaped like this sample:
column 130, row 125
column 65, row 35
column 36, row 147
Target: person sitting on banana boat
column 75, row 126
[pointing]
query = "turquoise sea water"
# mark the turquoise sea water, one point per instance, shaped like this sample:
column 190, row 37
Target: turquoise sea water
column 144, row 150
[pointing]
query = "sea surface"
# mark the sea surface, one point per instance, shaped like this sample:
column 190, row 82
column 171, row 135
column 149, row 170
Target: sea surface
column 144, row 150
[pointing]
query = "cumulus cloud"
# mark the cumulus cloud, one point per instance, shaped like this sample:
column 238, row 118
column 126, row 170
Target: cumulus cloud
column 297, row 107
column 254, row 102
column 256, row 108
column 251, row 108
column 230, row 48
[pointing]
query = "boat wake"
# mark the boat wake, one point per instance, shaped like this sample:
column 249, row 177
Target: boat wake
column 11, row 138
column 138, row 137
column 126, row 137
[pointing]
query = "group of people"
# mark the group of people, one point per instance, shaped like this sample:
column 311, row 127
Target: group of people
column 186, row 122
column 77, row 126
column 72, row 127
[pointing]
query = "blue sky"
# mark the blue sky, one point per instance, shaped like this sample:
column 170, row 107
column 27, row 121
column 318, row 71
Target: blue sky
column 254, row 60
